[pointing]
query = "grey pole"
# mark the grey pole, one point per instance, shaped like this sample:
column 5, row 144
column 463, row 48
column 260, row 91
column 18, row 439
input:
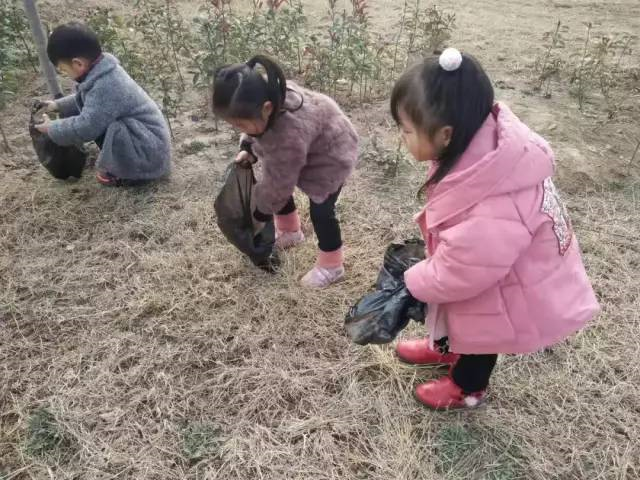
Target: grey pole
column 40, row 40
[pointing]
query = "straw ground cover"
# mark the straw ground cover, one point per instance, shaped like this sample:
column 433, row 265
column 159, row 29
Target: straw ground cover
column 135, row 343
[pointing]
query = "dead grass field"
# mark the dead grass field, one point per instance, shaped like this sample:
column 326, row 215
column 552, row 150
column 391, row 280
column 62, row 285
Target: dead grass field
column 136, row 344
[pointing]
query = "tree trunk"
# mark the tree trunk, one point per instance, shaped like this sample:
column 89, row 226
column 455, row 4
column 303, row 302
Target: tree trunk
column 5, row 140
column 40, row 40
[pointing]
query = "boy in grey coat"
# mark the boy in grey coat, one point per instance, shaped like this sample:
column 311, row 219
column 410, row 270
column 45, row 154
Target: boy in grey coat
column 109, row 108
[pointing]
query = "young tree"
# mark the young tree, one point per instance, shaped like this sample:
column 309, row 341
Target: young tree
column 40, row 40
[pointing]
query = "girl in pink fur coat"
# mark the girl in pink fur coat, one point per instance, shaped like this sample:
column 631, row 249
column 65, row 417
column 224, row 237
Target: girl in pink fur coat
column 304, row 140
column 504, row 273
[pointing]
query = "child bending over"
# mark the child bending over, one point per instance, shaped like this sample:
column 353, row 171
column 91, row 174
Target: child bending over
column 304, row 140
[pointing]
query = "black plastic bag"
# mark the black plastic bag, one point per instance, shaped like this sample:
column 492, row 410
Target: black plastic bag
column 61, row 162
column 234, row 215
column 379, row 316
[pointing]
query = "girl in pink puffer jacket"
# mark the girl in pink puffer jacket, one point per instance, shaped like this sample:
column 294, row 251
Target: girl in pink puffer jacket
column 303, row 140
column 504, row 273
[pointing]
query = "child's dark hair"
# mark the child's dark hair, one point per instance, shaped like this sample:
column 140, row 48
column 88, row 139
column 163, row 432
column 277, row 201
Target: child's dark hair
column 432, row 98
column 73, row 40
column 240, row 91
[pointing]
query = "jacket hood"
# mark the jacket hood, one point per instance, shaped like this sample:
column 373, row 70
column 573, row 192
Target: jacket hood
column 504, row 156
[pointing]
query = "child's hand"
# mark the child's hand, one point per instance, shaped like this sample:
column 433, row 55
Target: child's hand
column 50, row 106
column 244, row 159
column 43, row 127
column 47, row 106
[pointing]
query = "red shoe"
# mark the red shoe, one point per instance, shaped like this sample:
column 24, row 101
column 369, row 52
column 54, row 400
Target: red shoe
column 444, row 394
column 417, row 352
column 109, row 180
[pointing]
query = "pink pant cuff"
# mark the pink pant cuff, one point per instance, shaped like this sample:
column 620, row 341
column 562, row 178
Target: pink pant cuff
column 330, row 259
column 288, row 223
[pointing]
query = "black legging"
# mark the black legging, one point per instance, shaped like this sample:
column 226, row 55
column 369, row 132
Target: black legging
column 324, row 219
column 471, row 372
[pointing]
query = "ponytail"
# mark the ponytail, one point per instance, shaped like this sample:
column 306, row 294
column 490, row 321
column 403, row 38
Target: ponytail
column 276, row 83
column 240, row 91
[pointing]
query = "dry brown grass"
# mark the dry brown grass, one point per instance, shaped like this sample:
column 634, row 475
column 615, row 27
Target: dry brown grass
column 161, row 354
column 128, row 317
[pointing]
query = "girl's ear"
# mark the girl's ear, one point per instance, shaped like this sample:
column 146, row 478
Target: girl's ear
column 443, row 136
column 267, row 110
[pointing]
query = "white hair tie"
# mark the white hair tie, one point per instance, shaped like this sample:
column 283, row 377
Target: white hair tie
column 451, row 59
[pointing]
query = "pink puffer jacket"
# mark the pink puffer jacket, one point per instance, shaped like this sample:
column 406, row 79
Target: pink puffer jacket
column 504, row 272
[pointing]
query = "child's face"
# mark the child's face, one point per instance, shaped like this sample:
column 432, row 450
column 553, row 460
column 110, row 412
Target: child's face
column 74, row 69
column 421, row 146
column 253, row 126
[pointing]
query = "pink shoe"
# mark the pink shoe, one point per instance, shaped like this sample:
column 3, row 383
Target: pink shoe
column 286, row 240
column 320, row 277
column 288, row 230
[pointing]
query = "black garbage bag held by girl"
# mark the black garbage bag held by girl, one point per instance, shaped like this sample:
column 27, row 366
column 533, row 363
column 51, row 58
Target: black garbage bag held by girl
column 379, row 316
column 61, row 162
column 234, row 216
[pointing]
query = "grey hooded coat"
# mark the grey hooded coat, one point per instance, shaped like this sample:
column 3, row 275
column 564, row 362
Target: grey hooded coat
column 109, row 103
